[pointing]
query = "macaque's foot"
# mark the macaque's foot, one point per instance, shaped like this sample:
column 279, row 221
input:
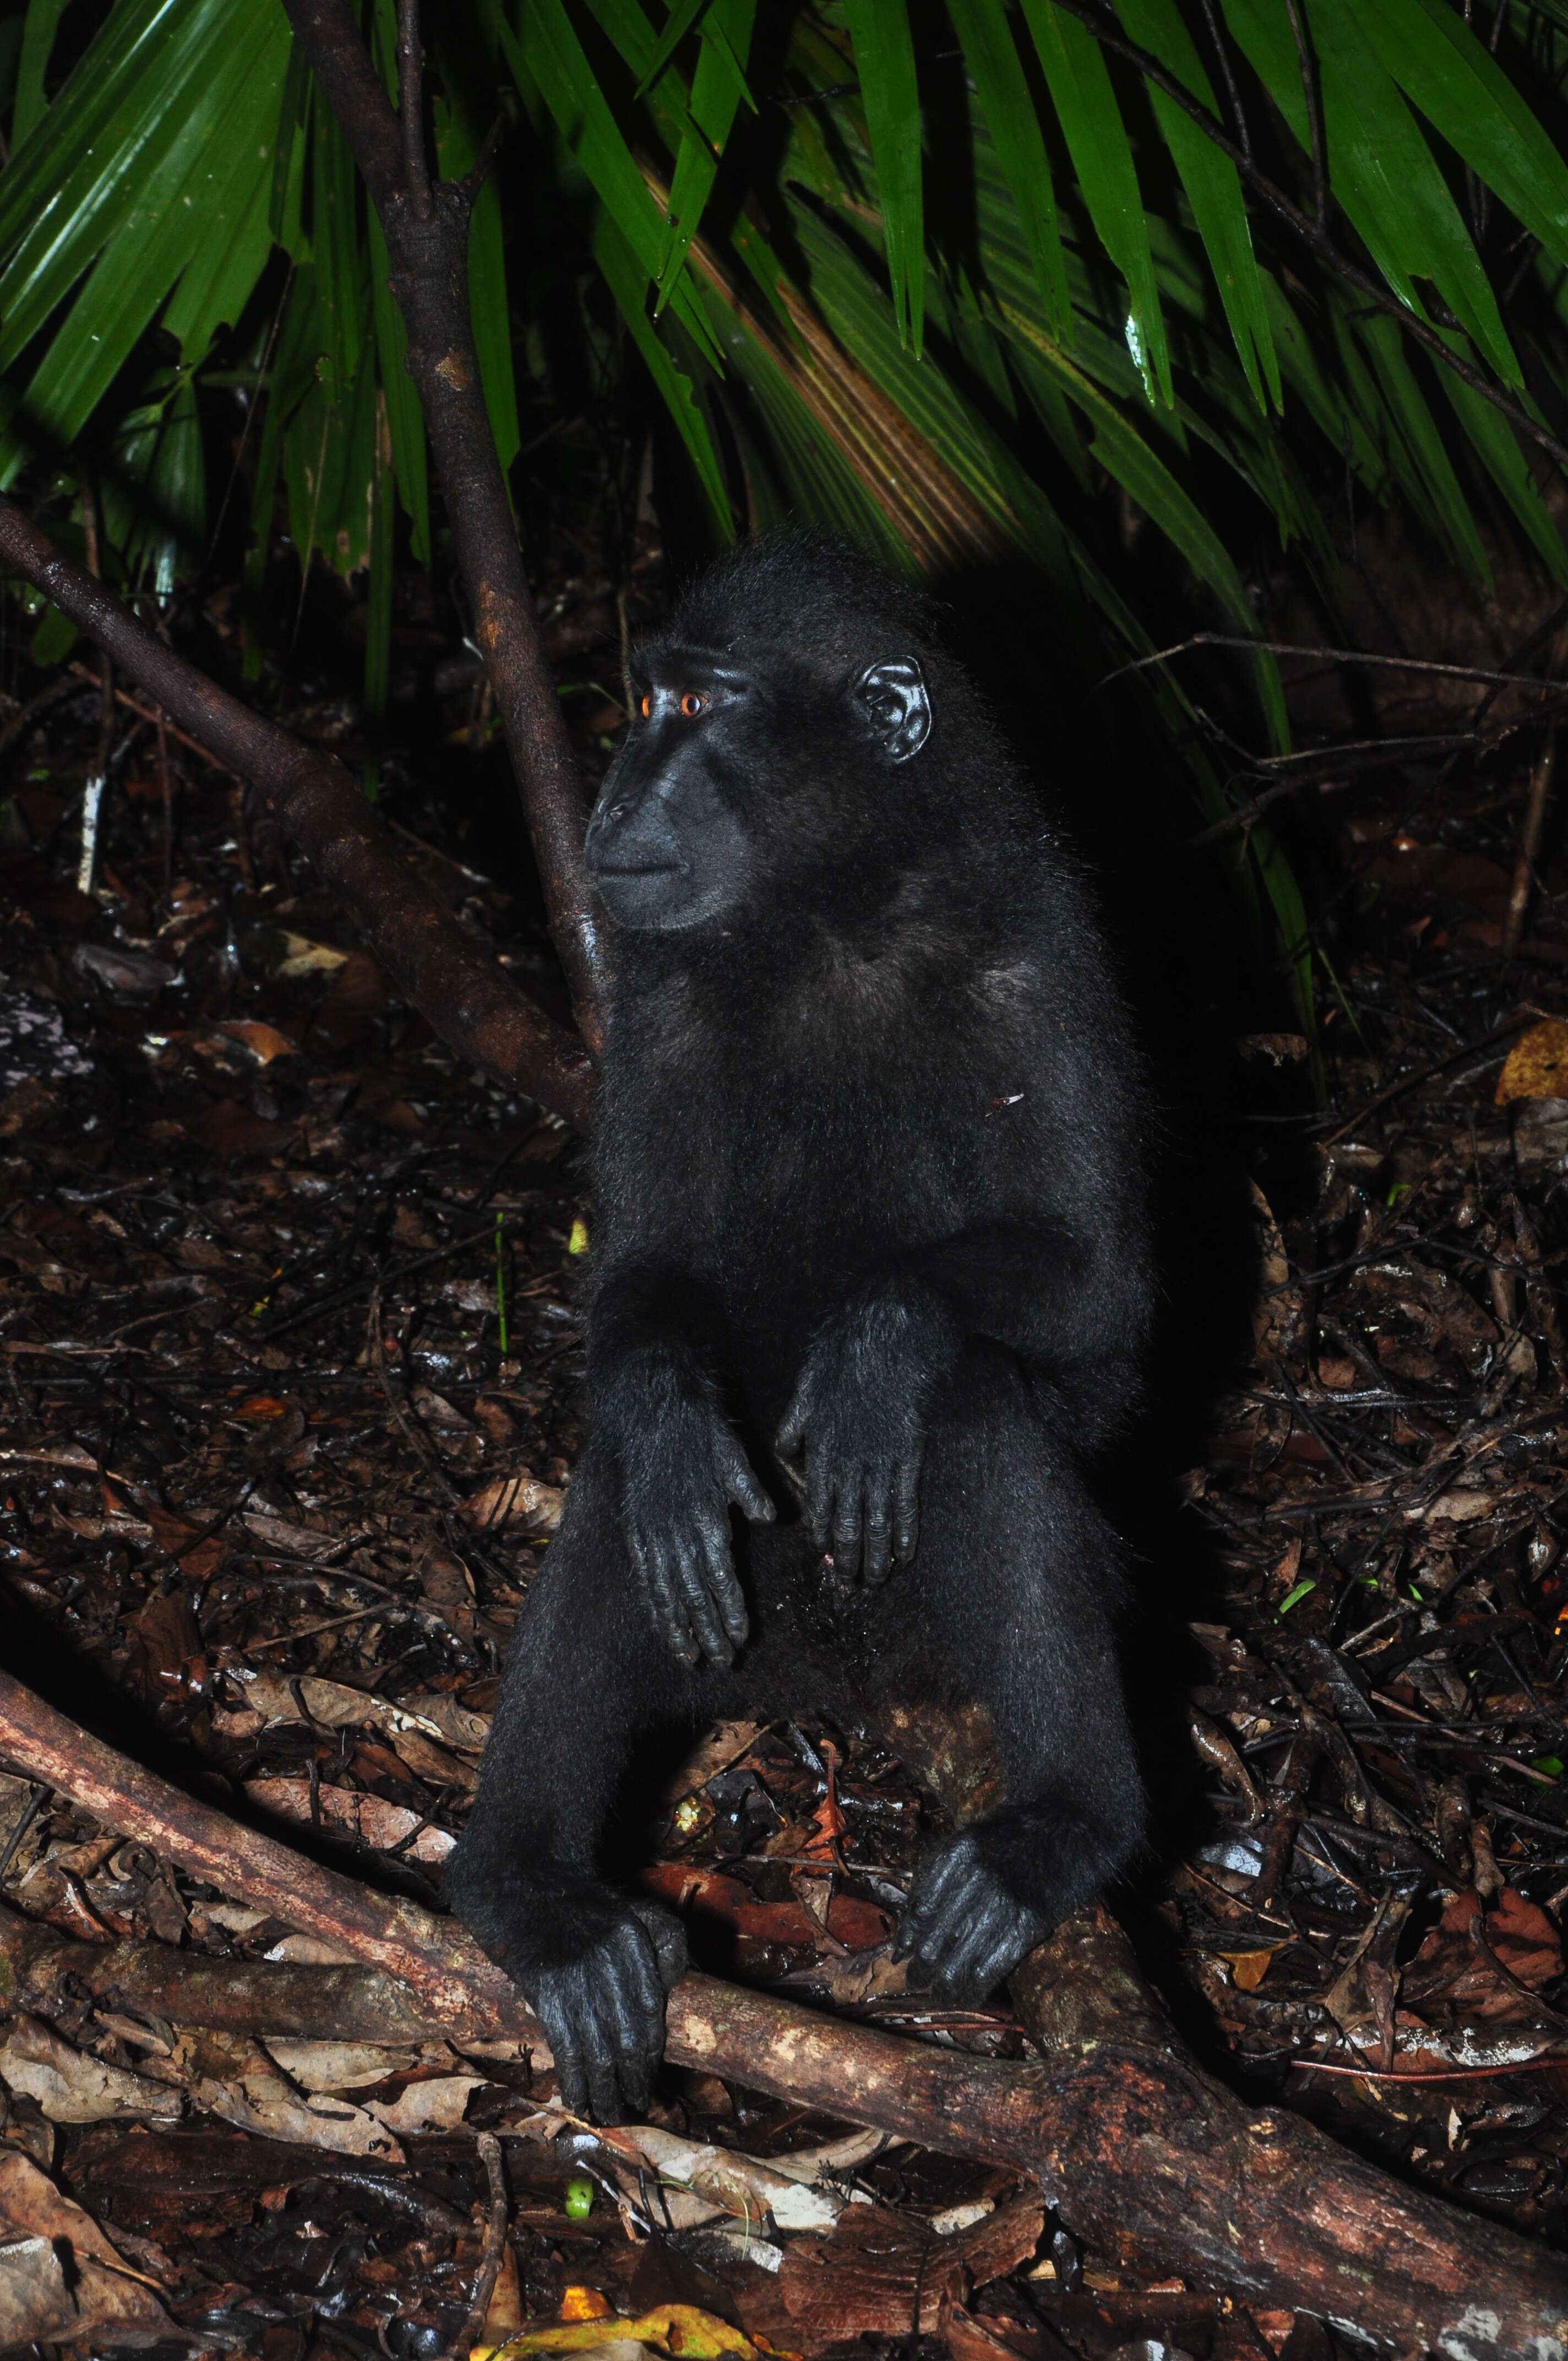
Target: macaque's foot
column 595, row 1973
column 962, row 1930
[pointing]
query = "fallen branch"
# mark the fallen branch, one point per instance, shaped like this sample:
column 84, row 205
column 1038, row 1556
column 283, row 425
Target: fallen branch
column 1145, row 2156
column 466, row 997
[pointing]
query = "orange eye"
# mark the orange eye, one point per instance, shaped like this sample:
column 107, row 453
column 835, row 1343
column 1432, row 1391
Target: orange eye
column 647, row 705
column 692, row 704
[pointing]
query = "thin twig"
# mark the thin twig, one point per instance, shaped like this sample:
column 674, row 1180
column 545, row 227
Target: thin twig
column 1328, row 655
column 494, row 2253
column 1517, row 655
column 236, row 465
column 1534, row 828
column 1434, row 2074
column 412, row 1432
column 1244, row 815
column 1516, row 1024
column 150, row 713
column 479, row 172
column 1228, row 76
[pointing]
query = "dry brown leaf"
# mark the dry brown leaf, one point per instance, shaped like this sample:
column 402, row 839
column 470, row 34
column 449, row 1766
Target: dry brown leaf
column 1277, row 1304
column 1247, row 1969
column 73, row 2087
column 337, row 2065
column 437, row 2105
column 521, row 1499
column 1451, row 1969
column 262, row 1042
column 293, row 1541
column 1537, row 1065
column 276, row 1696
column 230, row 2075
column 302, row 957
column 367, row 1819
column 61, row 2279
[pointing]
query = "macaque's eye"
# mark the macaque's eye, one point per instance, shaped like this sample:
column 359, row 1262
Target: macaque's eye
column 692, row 704
column 647, row 705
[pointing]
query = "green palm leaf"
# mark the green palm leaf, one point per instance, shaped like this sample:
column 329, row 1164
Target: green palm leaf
column 1102, row 158
column 885, row 55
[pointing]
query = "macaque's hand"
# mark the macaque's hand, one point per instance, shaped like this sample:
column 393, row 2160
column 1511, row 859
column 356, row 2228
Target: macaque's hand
column 681, row 1478
column 858, row 1412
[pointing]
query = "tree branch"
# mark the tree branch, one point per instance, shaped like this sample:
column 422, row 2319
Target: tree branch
column 1145, row 2155
column 410, row 106
column 470, row 1001
column 426, row 231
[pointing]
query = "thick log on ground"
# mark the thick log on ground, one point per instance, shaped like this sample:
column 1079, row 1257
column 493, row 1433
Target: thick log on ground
column 453, row 982
column 1144, row 2155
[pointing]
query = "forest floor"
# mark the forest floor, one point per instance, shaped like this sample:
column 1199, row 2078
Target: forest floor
column 289, row 1367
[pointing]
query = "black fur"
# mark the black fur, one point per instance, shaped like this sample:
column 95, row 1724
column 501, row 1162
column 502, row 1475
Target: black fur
column 869, row 1190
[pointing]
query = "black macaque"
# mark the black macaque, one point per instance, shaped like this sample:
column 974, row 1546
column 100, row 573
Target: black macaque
column 871, row 1267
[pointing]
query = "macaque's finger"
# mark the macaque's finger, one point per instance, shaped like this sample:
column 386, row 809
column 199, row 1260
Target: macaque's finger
column 604, row 2091
column 739, row 1479
column 797, row 1419
column 847, row 1523
column 723, row 1587
column 939, row 1891
column 879, row 1526
column 639, row 2014
column 1001, row 1955
column 668, row 1938
column 691, row 1572
column 565, row 2047
column 820, row 1497
column 906, row 1510
column 668, row 1612
column 571, row 2081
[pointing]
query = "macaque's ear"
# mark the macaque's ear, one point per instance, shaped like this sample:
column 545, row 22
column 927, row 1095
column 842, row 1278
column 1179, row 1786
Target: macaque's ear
column 898, row 709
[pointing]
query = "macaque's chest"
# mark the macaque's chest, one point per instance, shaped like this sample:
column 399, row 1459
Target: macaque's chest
column 782, row 1173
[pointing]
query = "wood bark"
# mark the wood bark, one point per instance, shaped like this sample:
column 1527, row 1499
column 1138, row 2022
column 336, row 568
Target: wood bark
column 1145, row 2156
column 426, row 230
column 435, row 964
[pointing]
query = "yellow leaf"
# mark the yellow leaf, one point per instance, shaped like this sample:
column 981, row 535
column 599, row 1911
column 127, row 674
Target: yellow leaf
column 1247, row 1969
column 1537, row 1065
column 586, row 2304
column 674, row 2328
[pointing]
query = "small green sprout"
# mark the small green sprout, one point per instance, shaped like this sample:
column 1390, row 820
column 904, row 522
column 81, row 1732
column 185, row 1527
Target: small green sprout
column 579, row 2197
column 1294, row 1598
